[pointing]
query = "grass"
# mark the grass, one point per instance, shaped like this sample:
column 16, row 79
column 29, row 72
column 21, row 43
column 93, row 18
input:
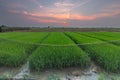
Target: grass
column 104, row 54
column 46, row 57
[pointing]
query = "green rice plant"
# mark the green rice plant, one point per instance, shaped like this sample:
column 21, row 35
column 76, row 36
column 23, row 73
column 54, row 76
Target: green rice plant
column 110, row 34
column 58, row 54
column 104, row 54
column 13, row 53
column 27, row 37
column 9, row 35
column 105, row 36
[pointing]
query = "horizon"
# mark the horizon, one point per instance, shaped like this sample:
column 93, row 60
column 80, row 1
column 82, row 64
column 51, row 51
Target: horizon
column 62, row 26
column 60, row 13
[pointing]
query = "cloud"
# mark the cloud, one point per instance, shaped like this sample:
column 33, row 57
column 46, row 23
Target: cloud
column 37, row 3
column 115, row 6
column 62, row 11
column 110, row 10
column 63, row 4
column 59, row 10
column 103, row 15
column 16, row 5
column 42, row 20
column 49, row 17
column 79, row 4
column 81, row 17
column 60, row 7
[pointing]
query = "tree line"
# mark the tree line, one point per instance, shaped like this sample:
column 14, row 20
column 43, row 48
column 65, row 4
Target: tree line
column 4, row 28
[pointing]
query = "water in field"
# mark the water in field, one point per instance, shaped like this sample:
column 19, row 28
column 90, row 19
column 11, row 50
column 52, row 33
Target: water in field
column 8, row 72
column 66, row 74
column 91, row 73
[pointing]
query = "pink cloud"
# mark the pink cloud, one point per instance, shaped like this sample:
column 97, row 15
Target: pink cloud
column 101, row 15
column 59, row 17
column 42, row 20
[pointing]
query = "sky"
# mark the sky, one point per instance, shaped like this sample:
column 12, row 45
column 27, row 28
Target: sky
column 60, row 13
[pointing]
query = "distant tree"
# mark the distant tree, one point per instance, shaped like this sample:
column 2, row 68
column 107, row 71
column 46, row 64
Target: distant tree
column 48, row 26
column 0, row 29
column 3, row 26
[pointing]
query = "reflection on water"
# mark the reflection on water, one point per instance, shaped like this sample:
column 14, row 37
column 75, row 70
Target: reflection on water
column 92, row 73
column 67, row 74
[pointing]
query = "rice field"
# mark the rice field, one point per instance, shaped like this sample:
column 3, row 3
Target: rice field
column 104, row 54
column 56, row 50
column 13, row 53
column 111, row 37
column 52, row 56
column 26, row 37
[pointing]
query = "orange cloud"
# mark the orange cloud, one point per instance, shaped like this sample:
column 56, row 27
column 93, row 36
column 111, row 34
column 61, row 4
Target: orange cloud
column 101, row 15
column 81, row 17
column 42, row 20
column 59, row 17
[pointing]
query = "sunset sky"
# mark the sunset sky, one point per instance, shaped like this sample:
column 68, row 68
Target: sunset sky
column 59, row 13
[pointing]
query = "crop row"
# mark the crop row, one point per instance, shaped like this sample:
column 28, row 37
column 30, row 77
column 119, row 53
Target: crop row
column 105, row 36
column 29, row 37
column 60, row 50
column 52, row 56
column 14, row 53
column 105, row 54
column 110, row 34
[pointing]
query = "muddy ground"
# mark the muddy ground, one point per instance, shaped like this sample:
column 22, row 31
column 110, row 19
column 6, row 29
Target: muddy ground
column 75, row 73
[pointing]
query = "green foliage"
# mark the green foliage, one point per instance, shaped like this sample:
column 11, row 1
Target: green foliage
column 45, row 57
column 105, row 54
